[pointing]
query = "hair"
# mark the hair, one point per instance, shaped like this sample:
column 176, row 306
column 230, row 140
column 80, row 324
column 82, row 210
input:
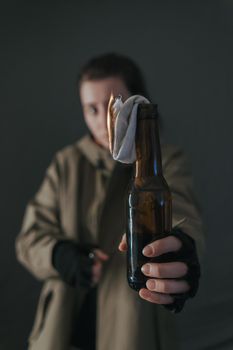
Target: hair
column 114, row 65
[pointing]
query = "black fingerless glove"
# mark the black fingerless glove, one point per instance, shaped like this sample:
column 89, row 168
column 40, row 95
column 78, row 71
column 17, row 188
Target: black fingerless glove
column 74, row 263
column 187, row 254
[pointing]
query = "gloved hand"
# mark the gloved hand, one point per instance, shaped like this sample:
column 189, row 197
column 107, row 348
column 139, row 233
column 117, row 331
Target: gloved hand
column 173, row 269
column 188, row 255
column 78, row 265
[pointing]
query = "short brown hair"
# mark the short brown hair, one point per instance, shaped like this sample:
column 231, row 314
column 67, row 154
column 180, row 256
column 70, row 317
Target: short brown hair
column 112, row 64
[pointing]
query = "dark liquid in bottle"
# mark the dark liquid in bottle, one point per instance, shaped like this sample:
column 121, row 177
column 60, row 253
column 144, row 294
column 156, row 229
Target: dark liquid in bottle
column 149, row 213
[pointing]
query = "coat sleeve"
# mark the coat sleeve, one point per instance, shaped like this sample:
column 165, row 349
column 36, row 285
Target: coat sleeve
column 41, row 227
column 186, row 213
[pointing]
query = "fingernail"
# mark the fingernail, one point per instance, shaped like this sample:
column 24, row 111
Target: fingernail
column 147, row 250
column 151, row 284
column 146, row 269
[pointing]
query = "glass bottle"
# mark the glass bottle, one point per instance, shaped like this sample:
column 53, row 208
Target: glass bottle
column 149, row 202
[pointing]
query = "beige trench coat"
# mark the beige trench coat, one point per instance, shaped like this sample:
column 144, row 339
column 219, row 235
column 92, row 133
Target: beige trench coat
column 59, row 210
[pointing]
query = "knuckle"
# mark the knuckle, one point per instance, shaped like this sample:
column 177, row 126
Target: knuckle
column 156, row 298
column 158, row 270
column 158, row 246
column 184, row 268
column 165, row 287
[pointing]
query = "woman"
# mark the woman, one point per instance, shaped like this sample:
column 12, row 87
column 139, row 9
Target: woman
column 73, row 225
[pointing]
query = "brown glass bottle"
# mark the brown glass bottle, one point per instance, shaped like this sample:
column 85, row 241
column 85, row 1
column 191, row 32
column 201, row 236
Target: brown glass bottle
column 149, row 203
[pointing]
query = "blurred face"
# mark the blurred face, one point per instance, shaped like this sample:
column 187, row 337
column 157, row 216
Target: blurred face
column 94, row 96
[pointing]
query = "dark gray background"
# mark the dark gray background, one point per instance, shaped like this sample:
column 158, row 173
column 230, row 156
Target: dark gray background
column 185, row 50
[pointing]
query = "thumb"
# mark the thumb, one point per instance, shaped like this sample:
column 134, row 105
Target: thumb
column 123, row 245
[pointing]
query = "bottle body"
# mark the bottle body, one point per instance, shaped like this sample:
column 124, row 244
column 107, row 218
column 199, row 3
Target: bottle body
column 149, row 201
column 149, row 211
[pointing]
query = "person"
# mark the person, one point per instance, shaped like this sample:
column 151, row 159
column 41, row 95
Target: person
column 75, row 222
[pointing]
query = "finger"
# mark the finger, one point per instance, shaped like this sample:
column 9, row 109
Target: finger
column 162, row 246
column 165, row 270
column 99, row 254
column 167, row 286
column 123, row 245
column 154, row 297
column 96, row 272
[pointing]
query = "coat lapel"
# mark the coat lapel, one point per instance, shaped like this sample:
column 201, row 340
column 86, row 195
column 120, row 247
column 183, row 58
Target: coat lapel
column 112, row 219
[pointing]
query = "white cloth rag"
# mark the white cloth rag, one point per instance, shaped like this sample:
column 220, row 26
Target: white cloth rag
column 124, row 149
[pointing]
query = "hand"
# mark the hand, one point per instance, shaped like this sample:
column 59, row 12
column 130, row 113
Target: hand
column 158, row 289
column 78, row 265
column 99, row 258
column 174, row 277
column 165, row 283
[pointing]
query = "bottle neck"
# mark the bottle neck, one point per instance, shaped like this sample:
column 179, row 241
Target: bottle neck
column 148, row 151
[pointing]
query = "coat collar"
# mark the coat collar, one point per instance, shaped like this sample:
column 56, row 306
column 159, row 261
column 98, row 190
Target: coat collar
column 97, row 155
